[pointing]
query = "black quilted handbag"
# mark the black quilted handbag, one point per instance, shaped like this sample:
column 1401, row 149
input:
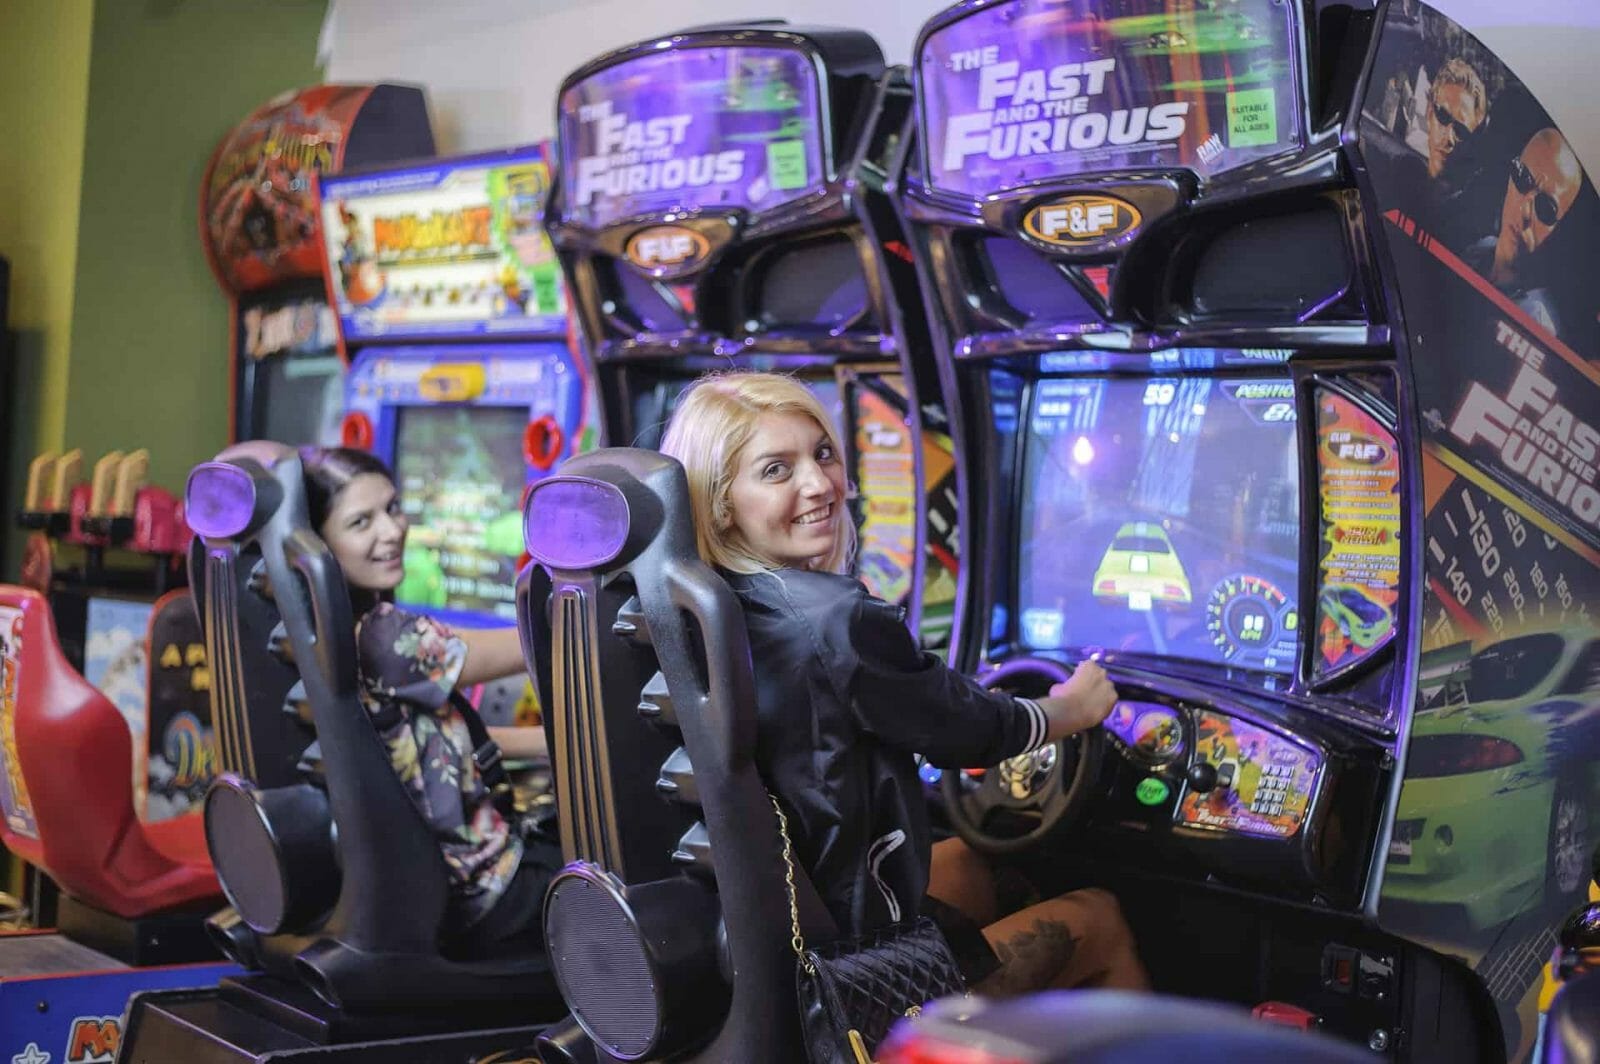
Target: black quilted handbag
column 852, row 991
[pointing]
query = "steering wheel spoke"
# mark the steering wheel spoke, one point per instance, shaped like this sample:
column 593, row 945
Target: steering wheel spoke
column 1046, row 788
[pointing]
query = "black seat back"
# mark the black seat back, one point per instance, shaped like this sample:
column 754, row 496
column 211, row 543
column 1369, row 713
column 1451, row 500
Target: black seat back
column 261, row 720
column 621, row 582
column 295, row 592
column 379, row 946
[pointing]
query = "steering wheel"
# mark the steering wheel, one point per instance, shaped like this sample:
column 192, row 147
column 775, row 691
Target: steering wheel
column 1052, row 784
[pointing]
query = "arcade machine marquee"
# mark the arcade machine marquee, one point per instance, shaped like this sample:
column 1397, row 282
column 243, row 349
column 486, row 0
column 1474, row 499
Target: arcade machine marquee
column 260, row 230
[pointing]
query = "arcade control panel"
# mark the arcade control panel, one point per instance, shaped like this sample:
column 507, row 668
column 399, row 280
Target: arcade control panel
column 1242, row 792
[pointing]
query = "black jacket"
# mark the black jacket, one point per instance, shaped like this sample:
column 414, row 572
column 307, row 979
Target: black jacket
column 844, row 699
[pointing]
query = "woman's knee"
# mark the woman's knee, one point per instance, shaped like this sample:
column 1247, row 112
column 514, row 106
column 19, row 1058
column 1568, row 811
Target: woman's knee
column 961, row 877
column 1102, row 914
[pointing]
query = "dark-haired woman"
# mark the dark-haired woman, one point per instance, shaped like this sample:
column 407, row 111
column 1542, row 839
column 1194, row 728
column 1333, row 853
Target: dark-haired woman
column 410, row 665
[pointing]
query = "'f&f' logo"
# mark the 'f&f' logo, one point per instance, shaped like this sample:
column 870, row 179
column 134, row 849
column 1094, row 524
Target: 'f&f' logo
column 1078, row 221
column 666, row 247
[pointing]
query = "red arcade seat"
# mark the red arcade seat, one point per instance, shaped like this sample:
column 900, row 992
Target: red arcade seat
column 66, row 756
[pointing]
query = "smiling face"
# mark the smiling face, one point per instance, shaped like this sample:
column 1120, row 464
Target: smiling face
column 787, row 495
column 367, row 533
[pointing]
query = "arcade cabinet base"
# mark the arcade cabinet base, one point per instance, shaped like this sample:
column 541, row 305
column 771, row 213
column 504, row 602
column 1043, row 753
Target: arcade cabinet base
column 260, row 1019
column 62, row 1001
column 166, row 938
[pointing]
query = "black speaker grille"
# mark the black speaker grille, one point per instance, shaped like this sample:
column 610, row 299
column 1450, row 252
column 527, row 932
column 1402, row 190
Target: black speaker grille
column 601, row 964
column 1277, row 268
column 245, row 857
column 818, row 283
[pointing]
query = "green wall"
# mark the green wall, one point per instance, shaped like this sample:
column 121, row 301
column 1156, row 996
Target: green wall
column 44, row 90
column 168, row 79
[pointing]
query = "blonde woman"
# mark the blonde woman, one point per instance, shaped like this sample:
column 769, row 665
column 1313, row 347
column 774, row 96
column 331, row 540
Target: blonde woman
column 845, row 698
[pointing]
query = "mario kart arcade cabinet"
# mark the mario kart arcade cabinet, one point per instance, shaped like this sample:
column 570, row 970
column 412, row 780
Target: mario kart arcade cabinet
column 722, row 204
column 1271, row 379
column 463, row 377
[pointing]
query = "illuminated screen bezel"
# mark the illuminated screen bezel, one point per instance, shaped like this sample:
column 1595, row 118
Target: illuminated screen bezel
column 1286, row 674
column 400, row 413
column 1297, row 107
column 566, row 149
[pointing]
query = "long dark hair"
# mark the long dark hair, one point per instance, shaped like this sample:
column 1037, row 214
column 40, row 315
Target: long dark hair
column 326, row 471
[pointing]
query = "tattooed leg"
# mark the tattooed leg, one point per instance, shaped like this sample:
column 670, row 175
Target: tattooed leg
column 1030, row 958
column 1075, row 940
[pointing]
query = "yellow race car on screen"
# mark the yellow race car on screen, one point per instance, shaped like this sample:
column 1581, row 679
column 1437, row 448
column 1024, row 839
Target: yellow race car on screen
column 1141, row 569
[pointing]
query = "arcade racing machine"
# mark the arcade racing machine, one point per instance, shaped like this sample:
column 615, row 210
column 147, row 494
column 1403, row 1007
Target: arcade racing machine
column 1272, row 385
column 453, row 315
column 259, row 227
column 722, row 204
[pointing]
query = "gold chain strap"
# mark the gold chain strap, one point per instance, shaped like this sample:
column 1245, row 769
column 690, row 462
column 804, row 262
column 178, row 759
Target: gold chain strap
column 798, row 941
column 858, row 1046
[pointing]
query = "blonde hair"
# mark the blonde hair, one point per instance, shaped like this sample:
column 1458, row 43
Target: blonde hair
column 715, row 419
column 1459, row 72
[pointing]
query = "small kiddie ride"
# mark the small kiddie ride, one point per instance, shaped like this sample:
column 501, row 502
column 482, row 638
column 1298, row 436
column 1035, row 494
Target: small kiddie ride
column 1569, row 997
column 337, row 886
column 1296, row 285
column 101, row 550
column 722, row 204
column 133, row 895
column 260, row 228
column 452, row 313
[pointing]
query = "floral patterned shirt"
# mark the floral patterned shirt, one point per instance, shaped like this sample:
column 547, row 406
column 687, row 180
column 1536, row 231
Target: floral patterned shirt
column 409, row 666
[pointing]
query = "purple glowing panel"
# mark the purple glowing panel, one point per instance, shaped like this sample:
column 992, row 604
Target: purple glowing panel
column 219, row 500
column 575, row 523
column 712, row 128
column 1035, row 90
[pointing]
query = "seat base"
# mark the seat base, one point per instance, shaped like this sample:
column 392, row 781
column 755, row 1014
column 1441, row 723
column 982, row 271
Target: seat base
column 256, row 1018
column 145, row 941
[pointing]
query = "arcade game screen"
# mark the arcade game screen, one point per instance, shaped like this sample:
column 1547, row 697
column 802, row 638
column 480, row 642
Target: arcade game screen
column 461, row 474
column 300, row 399
column 1161, row 516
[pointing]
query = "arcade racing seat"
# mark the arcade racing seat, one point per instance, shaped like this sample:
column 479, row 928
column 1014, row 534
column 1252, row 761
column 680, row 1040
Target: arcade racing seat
column 69, row 806
column 664, row 901
column 338, row 888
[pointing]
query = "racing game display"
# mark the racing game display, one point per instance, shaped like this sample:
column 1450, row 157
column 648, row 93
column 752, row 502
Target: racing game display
column 1161, row 516
column 1040, row 89
column 461, row 473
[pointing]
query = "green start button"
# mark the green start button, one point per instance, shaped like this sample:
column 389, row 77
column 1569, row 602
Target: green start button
column 1152, row 791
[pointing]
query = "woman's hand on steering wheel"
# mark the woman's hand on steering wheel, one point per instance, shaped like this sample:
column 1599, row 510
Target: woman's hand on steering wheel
column 1050, row 787
column 1082, row 701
